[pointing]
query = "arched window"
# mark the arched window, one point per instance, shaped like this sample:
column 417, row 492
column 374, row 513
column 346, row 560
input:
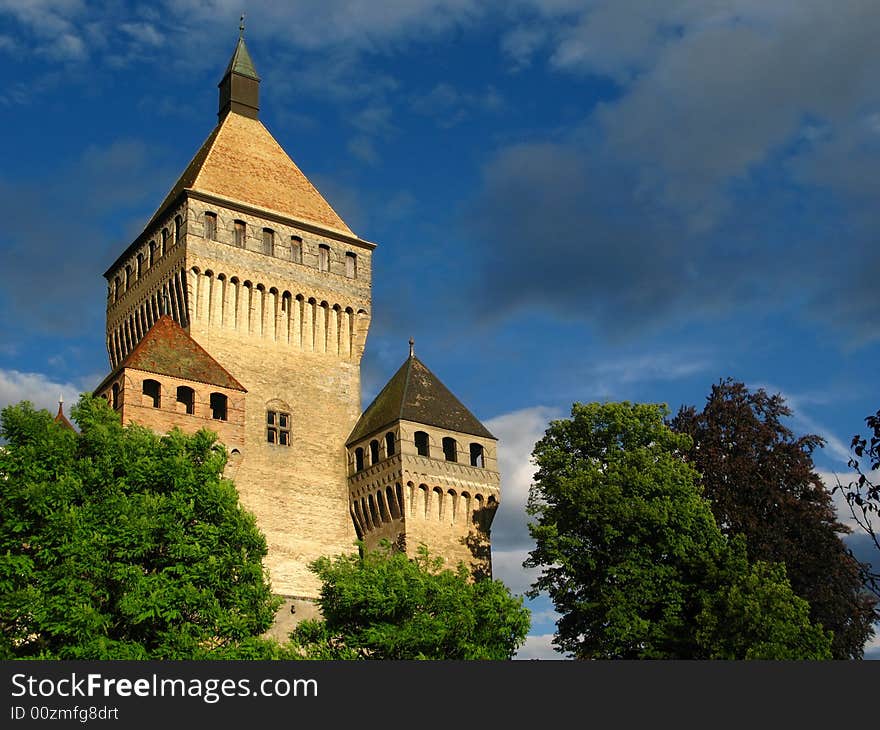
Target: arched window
column 178, row 225
column 219, row 406
column 128, row 277
column 358, row 459
column 164, row 240
column 351, row 268
column 477, row 458
column 240, row 234
column 153, row 392
column 152, row 252
column 268, row 241
column 186, row 396
column 450, row 449
column 115, row 397
column 211, row 226
column 116, row 284
column 323, row 257
column 389, row 443
column 374, row 451
column 140, row 265
column 423, row 447
column 296, row 249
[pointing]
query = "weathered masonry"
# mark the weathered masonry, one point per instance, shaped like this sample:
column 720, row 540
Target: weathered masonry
column 244, row 307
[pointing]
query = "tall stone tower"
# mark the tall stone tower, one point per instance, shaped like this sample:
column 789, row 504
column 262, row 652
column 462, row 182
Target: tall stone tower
column 244, row 307
column 254, row 264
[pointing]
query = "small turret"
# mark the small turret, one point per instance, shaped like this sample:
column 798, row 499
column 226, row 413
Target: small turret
column 240, row 86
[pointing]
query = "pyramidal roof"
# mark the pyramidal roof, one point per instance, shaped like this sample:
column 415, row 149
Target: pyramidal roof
column 241, row 161
column 414, row 393
column 241, row 62
column 167, row 349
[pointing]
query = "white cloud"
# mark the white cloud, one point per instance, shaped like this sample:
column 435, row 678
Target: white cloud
column 517, row 433
column 43, row 392
column 538, row 647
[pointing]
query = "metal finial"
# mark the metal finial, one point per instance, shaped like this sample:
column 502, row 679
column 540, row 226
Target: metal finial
column 60, row 399
column 412, row 347
column 241, row 26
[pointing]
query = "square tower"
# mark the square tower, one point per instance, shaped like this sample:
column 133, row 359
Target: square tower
column 247, row 257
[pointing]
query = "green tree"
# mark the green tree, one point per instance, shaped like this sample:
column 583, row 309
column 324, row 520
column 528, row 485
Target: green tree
column 631, row 556
column 761, row 483
column 118, row 543
column 384, row 605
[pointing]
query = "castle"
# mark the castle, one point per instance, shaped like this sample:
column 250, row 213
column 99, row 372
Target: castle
column 243, row 307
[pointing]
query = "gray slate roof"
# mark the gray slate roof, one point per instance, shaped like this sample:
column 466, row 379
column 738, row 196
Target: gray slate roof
column 414, row 393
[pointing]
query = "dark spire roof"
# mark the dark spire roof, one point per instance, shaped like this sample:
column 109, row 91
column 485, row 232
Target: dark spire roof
column 414, row 393
column 167, row 349
column 241, row 62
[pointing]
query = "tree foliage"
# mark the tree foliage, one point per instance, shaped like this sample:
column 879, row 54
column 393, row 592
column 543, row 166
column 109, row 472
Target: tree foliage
column 384, row 605
column 118, row 543
column 863, row 497
column 761, row 483
column 632, row 558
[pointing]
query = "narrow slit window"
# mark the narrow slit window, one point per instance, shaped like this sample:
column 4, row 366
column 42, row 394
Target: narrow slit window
column 450, row 449
column 323, row 258
column 389, row 443
column 178, row 229
column 211, row 226
column 374, row 451
column 351, row 269
column 164, row 241
column 268, row 241
column 296, row 249
column 240, row 233
column 358, row 459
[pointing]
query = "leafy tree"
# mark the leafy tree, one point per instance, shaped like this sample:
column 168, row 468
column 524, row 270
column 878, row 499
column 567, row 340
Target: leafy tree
column 863, row 497
column 384, row 605
column 761, row 483
column 632, row 558
column 118, row 543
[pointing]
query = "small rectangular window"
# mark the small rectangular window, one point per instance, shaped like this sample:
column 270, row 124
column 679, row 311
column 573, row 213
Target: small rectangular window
column 268, row 241
column 323, row 258
column 296, row 249
column 278, row 428
column 211, row 226
column 240, row 234
column 351, row 269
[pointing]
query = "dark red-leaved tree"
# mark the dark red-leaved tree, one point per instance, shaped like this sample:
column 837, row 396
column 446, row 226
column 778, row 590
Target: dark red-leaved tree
column 863, row 497
column 762, row 484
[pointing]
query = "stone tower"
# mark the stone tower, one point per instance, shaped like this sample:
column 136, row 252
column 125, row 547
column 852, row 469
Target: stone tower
column 244, row 307
column 424, row 471
column 256, row 266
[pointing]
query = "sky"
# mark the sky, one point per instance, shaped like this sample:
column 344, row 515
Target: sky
column 573, row 200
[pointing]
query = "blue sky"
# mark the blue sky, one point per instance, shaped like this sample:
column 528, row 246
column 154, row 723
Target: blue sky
column 573, row 200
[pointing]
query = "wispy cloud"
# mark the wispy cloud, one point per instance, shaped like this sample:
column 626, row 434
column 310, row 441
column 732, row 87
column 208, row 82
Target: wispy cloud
column 37, row 388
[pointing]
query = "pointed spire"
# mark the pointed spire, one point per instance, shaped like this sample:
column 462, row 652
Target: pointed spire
column 240, row 85
column 60, row 417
